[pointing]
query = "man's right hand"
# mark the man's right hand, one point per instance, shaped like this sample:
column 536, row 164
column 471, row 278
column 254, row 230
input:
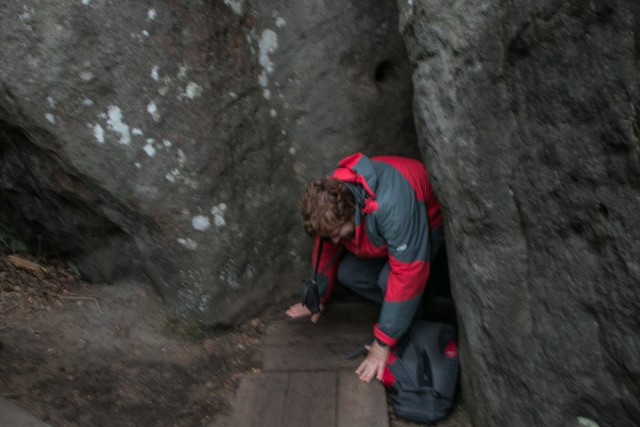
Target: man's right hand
column 298, row 310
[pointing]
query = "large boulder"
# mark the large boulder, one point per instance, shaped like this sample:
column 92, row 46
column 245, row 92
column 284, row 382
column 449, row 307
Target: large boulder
column 528, row 117
column 171, row 142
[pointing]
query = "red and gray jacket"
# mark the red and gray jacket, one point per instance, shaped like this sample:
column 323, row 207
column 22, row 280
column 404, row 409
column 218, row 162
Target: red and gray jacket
column 392, row 220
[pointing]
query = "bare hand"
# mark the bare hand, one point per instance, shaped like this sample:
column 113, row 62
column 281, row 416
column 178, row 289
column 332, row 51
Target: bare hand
column 373, row 366
column 298, row 310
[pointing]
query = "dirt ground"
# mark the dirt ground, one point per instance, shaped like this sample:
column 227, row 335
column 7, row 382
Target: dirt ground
column 75, row 354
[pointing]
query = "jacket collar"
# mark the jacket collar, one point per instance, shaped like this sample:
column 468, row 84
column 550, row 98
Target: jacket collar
column 358, row 169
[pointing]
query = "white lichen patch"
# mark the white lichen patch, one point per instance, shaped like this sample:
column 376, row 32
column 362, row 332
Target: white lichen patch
column 51, row 101
column 136, row 132
column 152, row 109
column 173, row 176
column 192, row 294
column 141, row 36
column 295, row 257
column 50, row 117
column 229, row 276
column 250, row 272
column 273, row 113
column 182, row 71
column 86, row 2
column 200, row 222
column 167, row 143
column 181, row 157
column 188, row 243
column 235, row 5
column 151, row 14
column 155, row 73
column 263, row 79
column 116, row 124
column 586, row 422
column 149, row 149
column 203, row 304
column 86, row 76
column 267, row 45
column 87, row 102
column 193, row 90
column 218, row 215
column 28, row 14
column 98, row 133
column 149, row 192
column 280, row 22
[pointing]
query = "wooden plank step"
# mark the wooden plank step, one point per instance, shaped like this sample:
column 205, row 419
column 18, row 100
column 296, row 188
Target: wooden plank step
column 306, row 379
column 359, row 403
column 309, row 357
column 302, row 345
column 285, row 332
column 283, row 399
column 14, row 416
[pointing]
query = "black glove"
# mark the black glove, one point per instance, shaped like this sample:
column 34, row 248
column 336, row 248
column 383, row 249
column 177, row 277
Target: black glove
column 310, row 295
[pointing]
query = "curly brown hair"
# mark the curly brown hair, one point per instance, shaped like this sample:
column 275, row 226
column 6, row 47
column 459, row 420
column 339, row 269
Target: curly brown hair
column 327, row 204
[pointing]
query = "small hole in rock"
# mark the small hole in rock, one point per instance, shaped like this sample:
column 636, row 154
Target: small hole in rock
column 384, row 70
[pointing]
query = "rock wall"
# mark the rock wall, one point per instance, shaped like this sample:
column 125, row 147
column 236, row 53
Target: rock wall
column 528, row 117
column 172, row 141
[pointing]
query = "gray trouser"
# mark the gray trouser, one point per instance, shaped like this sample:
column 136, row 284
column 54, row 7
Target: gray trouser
column 368, row 276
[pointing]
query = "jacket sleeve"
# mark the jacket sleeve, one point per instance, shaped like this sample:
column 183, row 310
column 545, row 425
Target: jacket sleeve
column 404, row 226
column 327, row 269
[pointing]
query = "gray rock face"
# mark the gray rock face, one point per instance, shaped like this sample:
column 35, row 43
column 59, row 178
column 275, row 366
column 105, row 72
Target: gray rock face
column 527, row 116
column 171, row 142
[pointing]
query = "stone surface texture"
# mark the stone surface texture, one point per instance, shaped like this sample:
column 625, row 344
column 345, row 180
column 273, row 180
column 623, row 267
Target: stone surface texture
column 527, row 115
column 171, row 141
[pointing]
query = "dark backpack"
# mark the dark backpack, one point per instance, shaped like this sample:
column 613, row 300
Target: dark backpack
column 422, row 372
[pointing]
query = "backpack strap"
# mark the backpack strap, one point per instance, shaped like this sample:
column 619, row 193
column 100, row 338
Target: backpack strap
column 315, row 270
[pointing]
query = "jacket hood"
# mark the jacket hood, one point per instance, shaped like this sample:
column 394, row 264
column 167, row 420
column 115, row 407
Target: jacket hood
column 357, row 169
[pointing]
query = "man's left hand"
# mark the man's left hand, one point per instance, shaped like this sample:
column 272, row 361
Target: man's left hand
column 373, row 366
column 298, row 310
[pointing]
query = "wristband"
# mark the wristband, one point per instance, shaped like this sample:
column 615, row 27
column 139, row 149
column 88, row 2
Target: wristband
column 380, row 343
